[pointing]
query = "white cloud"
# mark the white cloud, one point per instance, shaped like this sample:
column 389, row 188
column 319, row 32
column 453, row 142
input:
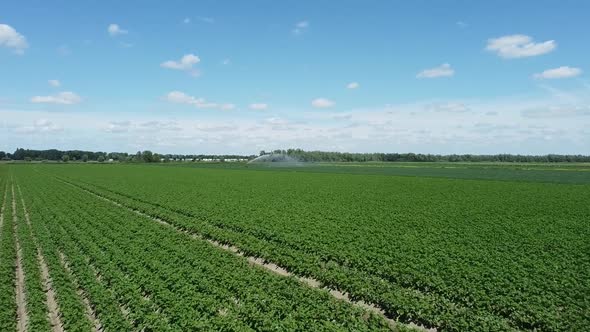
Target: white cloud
column 300, row 27
column 258, row 106
column 185, row 63
column 448, row 107
column 117, row 127
column 322, row 103
column 158, row 126
column 10, row 38
column 54, row 83
column 556, row 112
column 444, row 70
column 65, row 98
column 519, row 46
column 40, row 126
column 512, row 124
column 561, row 72
column 352, row 85
column 179, row 97
column 115, row 30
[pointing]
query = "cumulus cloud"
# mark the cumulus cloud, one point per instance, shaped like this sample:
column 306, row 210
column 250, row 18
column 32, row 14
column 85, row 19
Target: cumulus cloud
column 54, row 83
column 444, row 70
column 115, row 30
column 352, row 85
column 64, row 98
column 322, row 103
column 300, row 27
column 10, row 38
column 519, row 46
column 185, row 63
column 561, row 72
column 258, row 106
column 179, row 97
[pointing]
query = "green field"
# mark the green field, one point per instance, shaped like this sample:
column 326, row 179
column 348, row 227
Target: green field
column 453, row 247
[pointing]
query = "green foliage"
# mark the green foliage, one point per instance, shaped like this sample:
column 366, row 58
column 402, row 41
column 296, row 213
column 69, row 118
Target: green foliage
column 7, row 259
column 140, row 275
column 451, row 253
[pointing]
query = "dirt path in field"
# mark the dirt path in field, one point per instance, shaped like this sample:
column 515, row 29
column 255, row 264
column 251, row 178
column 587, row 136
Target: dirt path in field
column 90, row 314
column 21, row 301
column 274, row 268
column 52, row 306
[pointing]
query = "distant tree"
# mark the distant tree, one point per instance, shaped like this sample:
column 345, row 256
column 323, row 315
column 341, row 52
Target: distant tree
column 100, row 158
column 28, row 159
column 19, row 154
column 85, row 158
column 65, row 158
column 2, row 154
column 147, row 156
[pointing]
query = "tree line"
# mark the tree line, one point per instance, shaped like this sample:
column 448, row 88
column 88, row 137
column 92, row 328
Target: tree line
column 86, row 156
column 298, row 154
column 318, row 156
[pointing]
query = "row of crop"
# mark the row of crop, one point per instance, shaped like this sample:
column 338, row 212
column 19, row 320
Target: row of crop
column 216, row 288
column 116, row 300
column 403, row 302
column 72, row 310
column 482, row 258
column 36, row 298
column 7, row 262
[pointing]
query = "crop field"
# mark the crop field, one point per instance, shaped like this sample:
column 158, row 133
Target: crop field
column 122, row 247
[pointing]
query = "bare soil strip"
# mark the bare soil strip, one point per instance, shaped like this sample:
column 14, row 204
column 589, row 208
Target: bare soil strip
column 90, row 314
column 52, row 306
column 313, row 283
column 21, row 301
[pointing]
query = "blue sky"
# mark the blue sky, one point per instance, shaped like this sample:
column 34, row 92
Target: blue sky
column 238, row 77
